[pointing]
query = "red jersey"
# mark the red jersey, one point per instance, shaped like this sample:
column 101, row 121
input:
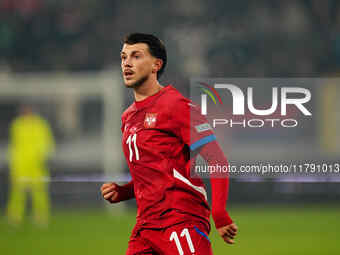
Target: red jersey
column 157, row 138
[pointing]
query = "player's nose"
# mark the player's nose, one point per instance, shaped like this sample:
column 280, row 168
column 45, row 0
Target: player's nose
column 127, row 62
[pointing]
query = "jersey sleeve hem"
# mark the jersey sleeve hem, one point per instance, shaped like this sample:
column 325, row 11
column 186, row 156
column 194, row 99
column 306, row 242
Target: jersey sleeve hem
column 222, row 221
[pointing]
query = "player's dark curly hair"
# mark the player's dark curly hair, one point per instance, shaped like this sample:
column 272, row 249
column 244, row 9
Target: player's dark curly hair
column 156, row 47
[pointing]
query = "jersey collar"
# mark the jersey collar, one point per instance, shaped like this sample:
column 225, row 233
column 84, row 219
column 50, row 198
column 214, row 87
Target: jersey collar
column 146, row 101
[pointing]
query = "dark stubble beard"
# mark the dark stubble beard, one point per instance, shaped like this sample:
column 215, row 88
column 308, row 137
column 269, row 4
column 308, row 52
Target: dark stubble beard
column 138, row 83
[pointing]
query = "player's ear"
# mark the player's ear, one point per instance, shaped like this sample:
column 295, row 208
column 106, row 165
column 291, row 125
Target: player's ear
column 157, row 65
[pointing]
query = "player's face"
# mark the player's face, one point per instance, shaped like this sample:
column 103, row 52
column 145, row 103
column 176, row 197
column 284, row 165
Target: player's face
column 136, row 63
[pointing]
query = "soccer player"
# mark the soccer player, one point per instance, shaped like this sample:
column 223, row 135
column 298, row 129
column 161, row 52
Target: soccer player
column 31, row 144
column 158, row 138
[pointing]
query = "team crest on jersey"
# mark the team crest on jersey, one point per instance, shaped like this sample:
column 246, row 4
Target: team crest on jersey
column 150, row 120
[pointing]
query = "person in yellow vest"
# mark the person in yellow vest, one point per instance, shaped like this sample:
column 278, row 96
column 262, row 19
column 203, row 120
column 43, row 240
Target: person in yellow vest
column 31, row 143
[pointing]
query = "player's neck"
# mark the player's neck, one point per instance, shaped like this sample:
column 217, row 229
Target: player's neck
column 148, row 88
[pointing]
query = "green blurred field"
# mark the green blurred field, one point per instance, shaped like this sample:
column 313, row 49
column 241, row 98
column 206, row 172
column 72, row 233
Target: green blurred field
column 263, row 230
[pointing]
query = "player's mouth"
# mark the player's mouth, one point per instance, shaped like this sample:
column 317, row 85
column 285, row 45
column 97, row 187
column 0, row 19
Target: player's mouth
column 128, row 74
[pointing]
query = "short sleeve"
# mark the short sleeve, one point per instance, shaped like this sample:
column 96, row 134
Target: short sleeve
column 192, row 127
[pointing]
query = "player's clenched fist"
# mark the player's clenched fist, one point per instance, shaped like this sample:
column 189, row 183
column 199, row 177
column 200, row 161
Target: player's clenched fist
column 110, row 192
column 228, row 233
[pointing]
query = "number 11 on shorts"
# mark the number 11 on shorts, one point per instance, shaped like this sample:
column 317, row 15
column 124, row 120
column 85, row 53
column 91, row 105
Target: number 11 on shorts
column 185, row 232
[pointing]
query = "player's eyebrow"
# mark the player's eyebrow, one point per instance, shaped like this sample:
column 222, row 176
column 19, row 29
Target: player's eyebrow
column 132, row 52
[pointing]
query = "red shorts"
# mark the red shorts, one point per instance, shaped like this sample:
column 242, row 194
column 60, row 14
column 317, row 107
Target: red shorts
column 187, row 238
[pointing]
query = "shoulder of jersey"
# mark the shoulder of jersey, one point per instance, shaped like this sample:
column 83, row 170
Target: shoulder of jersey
column 173, row 97
column 128, row 110
column 177, row 98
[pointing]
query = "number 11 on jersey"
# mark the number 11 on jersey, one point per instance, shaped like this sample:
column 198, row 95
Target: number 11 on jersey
column 132, row 139
column 185, row 232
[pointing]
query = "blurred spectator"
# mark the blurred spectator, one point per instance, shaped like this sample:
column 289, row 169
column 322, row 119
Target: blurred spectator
column 31, row 143
column 25, row 8
column 248, row 38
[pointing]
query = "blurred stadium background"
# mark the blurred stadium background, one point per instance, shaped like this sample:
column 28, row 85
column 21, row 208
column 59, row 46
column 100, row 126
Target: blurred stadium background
column 63, row 58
